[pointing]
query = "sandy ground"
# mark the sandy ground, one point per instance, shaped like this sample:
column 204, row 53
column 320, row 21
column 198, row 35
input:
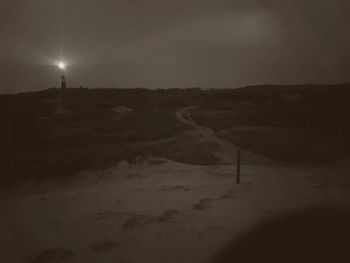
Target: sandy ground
column 149, row 212
column 228, row 154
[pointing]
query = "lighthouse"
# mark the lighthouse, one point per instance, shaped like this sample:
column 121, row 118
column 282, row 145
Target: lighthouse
column 62, row 66
column 63, row 81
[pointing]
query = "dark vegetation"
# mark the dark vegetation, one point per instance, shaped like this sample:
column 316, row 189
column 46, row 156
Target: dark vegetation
column 309, row 235
column 288, row 123
column 49, row 133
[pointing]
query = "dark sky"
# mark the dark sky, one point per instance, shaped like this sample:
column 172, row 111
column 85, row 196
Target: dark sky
column 173, row 43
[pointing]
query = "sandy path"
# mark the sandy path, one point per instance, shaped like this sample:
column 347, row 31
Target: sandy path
column 228, row 154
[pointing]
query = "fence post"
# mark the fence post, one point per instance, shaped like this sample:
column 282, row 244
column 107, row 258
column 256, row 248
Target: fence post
column 238, row 176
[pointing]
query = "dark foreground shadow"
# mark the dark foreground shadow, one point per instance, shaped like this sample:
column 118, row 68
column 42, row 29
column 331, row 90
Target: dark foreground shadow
column 309, row 235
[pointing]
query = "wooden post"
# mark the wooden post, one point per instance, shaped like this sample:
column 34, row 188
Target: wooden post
column 339, row 118
column 238, row 176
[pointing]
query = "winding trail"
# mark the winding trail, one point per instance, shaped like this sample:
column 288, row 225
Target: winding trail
column 228, row 154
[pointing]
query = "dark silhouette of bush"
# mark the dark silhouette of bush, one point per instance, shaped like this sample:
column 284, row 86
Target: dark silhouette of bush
column 312, row 235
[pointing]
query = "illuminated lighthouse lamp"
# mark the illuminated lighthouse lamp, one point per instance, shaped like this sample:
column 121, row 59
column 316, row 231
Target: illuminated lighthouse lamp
column 61, row 65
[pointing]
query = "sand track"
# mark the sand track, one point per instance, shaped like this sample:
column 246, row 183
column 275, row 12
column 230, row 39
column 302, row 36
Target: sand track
column 228, row 154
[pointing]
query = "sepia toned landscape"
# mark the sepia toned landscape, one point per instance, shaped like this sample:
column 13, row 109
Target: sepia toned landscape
column 174, row 131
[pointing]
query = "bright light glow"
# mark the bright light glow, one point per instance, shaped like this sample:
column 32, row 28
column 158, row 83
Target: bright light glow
column 61, row 65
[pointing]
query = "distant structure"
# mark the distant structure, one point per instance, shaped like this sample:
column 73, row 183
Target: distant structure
column 62, row 66
column 63, row 81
